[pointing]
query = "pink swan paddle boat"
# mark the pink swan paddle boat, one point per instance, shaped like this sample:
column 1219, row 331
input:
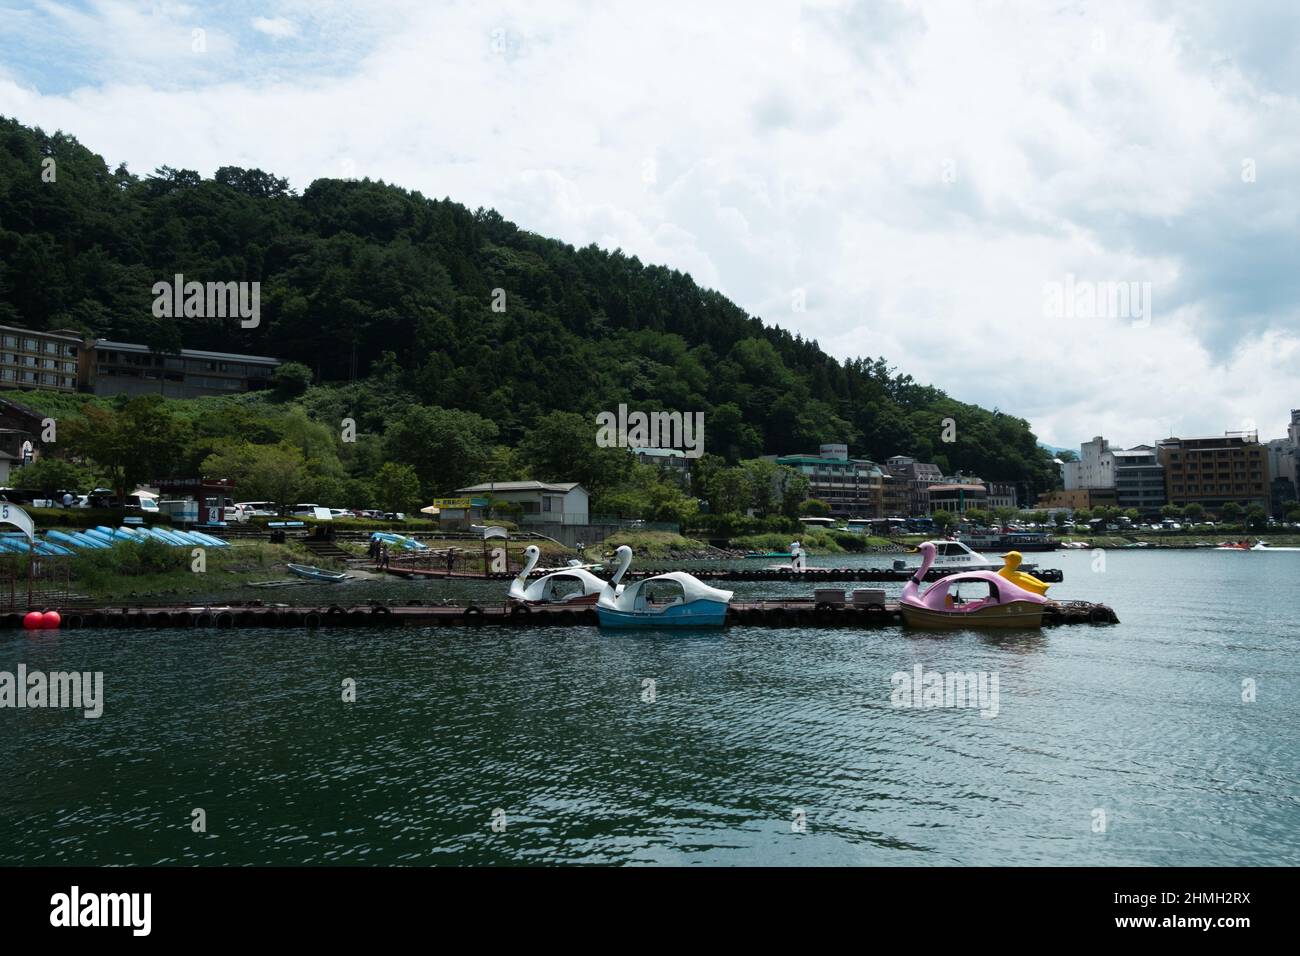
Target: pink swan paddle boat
column 999, row 603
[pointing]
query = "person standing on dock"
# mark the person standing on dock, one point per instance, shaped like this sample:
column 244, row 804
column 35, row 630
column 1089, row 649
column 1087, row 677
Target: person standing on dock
column 451, row 559
column 383, row 554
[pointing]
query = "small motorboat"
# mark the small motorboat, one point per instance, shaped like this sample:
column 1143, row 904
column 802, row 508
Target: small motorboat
column 997, row 602
column 1234, row 546
column 1265, row 546
column 318, row 574
column 953, row 555
column 573, row 584
column 675, row 599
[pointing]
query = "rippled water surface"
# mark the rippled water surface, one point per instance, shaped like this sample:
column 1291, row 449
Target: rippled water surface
column 750, row 732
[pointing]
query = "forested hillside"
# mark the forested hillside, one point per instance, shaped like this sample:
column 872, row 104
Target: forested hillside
column 386, row 296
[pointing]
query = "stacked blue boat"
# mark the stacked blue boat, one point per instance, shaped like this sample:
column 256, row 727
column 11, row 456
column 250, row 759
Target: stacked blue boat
column 398, row 540
column 92, row 539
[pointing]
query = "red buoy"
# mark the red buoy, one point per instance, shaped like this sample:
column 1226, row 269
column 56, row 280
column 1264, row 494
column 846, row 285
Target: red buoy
column 50, row 620
column 33, row 620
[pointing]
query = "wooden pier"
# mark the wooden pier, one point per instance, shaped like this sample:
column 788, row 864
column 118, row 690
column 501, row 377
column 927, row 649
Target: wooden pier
column 809, row 575
column 769, row 613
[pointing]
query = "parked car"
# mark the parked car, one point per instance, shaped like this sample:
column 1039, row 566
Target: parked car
column 394, row 516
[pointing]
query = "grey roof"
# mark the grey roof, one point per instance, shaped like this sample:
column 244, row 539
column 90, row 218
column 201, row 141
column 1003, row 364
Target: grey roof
column 561, row 486
column 186, row 353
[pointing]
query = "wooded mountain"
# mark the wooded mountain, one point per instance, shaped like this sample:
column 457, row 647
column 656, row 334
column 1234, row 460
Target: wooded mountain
column 387, row 294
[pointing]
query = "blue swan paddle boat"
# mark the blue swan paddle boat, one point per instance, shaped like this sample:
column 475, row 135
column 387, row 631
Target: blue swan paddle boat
column 675, row 599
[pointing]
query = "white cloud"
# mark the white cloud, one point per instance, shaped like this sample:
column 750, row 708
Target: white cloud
column 275, row 27
column 920, row 171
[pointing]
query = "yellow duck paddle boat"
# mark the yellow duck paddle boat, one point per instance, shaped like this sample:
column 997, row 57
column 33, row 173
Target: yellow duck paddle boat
column 1011, row 571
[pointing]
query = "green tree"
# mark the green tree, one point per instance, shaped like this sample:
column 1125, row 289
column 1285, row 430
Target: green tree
column 132, row 443
column 1194, row 512
column 562, row 447
column 1256, row 518
column 814, row 508
column 50, row 475
column 944, row 520
column 794, row 490
column 290, row 380
column 396, row 487
column 447, row 448
column 262, row 472
column 762, row 477
column 1231, row 512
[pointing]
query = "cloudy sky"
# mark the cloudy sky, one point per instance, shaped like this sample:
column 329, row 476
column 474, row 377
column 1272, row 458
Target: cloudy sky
column 960, row 187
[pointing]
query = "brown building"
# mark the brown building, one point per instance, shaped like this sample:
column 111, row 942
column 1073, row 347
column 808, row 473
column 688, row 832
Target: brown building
column 957, row 498
column 1076, row 499
column 50, row 360
column 1215, row 470
column 918, row 476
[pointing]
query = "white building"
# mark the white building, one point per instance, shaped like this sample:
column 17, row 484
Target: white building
column 563, row 502
column 1094, row 469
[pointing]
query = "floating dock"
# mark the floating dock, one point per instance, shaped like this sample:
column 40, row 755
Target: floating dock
column 814, row 575
column 771, row 613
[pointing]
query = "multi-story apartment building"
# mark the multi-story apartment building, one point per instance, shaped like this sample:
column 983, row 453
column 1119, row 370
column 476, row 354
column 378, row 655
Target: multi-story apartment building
column 1002, row 494
column 51, row 360
column 124, row 368
column 896, row 495
column 1094, row 469
column 1139, row 480
column 1212, row 471
column 918, row 476
column 958, row 498
column 853, row 487
column 66, row 361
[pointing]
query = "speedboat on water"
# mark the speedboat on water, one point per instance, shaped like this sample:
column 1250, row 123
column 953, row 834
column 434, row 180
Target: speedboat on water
column 1235, row 546
column 675, row 599
column 573, row 584
column 967, row 599
column 953, row 555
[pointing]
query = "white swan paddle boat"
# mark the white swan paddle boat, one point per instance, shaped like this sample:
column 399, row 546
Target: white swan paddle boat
column 573, row 584
column 675, row 599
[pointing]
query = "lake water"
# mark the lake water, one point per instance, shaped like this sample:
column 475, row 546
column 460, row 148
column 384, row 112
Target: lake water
column 1128, row 744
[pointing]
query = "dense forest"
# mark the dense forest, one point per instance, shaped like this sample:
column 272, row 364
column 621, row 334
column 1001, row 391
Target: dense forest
column 386, row 297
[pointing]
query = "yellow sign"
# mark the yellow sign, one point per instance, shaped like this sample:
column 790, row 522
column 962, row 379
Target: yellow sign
column 459, row 504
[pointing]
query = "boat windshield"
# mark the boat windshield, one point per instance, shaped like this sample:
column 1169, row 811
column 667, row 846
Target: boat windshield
column 974, row 592
column 659, row 594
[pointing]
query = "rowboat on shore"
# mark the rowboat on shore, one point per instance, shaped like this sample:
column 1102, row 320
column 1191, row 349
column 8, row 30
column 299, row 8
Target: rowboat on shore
column 318, row 574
